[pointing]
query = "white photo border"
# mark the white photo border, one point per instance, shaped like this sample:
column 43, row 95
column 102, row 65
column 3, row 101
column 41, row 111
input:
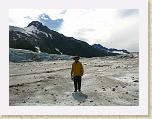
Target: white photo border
column 142, row 109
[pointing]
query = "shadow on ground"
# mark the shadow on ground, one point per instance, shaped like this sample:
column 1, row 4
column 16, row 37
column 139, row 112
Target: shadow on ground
column 79, row 96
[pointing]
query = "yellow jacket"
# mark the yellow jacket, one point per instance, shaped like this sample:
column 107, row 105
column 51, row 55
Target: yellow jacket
column 77, row 69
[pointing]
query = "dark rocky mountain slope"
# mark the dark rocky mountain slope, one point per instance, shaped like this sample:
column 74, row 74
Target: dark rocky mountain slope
column 37, row 37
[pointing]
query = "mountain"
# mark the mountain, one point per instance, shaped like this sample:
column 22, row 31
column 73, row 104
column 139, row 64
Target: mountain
column 111, row 50
column 39, row 38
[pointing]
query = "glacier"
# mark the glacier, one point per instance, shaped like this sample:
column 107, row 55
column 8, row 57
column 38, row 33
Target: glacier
column 21, row 55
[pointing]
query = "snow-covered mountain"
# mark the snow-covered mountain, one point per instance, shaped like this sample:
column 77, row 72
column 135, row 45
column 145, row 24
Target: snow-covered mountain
column 112, row 50
column 39, row 38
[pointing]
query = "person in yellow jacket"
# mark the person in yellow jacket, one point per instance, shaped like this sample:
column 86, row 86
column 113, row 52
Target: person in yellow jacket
column 77, row 71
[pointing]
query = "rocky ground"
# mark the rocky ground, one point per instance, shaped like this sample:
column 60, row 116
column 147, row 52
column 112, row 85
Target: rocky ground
column 107, row 81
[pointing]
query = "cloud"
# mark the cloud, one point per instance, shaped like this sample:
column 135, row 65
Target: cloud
column 82, row 32
column 22, row 17
column 111, row 28
column 52, row 24
column 127, row 12
column 28, row 17
column 82, row 35
column 63, row 12
column 86, row 30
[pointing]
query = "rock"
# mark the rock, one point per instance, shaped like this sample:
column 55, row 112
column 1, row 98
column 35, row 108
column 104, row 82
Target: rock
column 45, row 89
column 123, row 86
column 91, row 101
column 48, row 72
column 126, row 92
column 84, row 63
column 136, row 81
column 16, row 93
column 104, row 89
column 21, row 84
column 23, row 102
column 37, row 102
column 117, row 67
column 113, row 89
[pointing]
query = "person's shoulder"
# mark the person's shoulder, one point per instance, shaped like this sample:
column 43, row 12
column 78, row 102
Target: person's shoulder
column 80, row 62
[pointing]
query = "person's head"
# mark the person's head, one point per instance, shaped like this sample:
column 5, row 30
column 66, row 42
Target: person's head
column 76, row 58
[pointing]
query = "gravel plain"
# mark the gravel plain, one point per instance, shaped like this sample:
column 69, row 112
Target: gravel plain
column 107, row 81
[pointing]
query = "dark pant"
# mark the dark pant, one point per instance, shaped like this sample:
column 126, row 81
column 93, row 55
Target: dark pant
column 77, row 82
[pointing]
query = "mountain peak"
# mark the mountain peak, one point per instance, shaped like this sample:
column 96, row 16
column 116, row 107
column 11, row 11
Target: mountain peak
column 39, row 26
column 35, row 23
column 99, row 46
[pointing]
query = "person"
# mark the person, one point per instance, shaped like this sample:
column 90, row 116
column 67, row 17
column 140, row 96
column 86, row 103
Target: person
column 77, row 71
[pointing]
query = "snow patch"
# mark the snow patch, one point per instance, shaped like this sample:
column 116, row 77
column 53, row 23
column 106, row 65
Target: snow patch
column 22, row 30
column 31, row 30
column 119, row 52
column 38, row 49
column 50, row 36
column 58, row 51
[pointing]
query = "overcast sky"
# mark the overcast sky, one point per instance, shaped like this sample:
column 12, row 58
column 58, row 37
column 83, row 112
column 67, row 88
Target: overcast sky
column 112, row 28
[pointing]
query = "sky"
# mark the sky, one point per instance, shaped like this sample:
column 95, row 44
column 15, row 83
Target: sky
column 112, row 28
